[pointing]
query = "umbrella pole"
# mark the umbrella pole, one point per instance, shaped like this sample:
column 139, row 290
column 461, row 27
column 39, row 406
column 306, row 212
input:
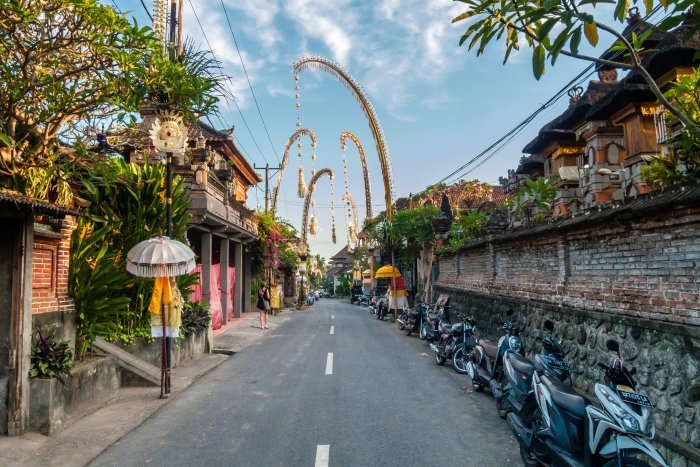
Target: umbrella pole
column 163, row 365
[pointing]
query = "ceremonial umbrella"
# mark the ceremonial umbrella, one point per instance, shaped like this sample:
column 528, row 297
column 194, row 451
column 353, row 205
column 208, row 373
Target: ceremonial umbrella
column 386, row 272
column 161, row 257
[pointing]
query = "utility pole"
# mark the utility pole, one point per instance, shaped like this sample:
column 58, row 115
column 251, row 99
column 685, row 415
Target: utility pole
column 267, row 181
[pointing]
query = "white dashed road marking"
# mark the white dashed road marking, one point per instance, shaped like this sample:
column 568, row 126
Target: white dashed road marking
column 332, row 316
column 332, row 330
column 329, row 364
column 322, row 454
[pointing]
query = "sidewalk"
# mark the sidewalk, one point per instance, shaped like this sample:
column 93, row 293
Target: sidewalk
column 82, row 441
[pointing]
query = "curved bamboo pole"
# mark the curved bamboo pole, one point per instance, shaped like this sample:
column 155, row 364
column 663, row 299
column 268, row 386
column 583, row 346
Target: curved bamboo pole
column 285, row 160
column 365, row 172
column 307, row 200
column 345, row 78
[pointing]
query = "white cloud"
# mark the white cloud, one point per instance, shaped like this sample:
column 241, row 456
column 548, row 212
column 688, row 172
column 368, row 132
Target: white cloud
column 332, row 23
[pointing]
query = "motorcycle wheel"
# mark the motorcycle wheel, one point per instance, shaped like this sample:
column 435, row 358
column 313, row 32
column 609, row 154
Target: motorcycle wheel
column 528, row 459
column 439, row 360
column 409, row 330
column 459, row 360
column 627, row 462
column 423, row 331
column 476, row 385
column 401, row 326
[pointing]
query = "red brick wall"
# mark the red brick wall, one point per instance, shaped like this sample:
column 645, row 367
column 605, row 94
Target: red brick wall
column 50, row 271
column 647, row 267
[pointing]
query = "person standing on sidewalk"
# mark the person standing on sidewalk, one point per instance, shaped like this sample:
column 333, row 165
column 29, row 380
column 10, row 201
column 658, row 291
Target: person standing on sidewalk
column 263, row 305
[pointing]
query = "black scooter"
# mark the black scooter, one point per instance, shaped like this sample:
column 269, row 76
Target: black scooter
column 487, row 360
column 412, row 320
column 457, row 336
column 513, row 391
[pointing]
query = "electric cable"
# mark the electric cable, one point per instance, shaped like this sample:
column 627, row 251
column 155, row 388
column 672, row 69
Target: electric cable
column 510, row 135
column 211, row 50
column 255, row 99
column 145, row 8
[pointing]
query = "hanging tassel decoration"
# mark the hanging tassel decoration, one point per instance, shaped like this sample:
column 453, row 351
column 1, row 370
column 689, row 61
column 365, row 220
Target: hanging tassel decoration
column 333, row 235
column 313, row 228
column 302, row 184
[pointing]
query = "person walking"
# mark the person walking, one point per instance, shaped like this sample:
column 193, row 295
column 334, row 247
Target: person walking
column 263, row 305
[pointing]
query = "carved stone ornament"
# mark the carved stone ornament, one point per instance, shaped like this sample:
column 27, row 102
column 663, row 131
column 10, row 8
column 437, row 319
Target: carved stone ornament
column 169, row 133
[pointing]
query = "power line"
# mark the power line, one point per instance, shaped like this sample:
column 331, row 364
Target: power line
column 145, row 8
column 211, row 50
column 510, row 135
column 248, row 79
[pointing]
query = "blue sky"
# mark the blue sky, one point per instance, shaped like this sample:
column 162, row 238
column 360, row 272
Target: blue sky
column 439, row 104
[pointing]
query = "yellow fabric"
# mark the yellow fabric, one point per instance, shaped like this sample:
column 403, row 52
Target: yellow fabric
column 275, row 297
column 397, row 293
column 173, row 310
column 161, row 293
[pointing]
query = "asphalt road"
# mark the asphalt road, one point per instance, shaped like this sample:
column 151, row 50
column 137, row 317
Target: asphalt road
column 384, row 403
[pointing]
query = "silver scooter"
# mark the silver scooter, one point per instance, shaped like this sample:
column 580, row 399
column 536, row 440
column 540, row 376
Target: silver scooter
column 569, row 430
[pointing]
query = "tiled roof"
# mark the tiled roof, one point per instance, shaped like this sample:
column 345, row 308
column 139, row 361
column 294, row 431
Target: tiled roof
column 22, row 202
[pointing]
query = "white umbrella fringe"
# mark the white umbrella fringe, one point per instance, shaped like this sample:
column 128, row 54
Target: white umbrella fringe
column 160, row 257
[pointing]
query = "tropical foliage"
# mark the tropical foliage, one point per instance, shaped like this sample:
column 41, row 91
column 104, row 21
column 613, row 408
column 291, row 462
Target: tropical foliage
column 466, row 227
column 462, row 195
column 196, row 317
column 551, row 28
column 127, row 207
column 69, row 63
column 276, row 246
column 681, row 163
column 51, row 357
column 535, row 196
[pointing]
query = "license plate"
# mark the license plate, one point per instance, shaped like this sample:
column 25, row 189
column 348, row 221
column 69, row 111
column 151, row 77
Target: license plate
column 634, row 398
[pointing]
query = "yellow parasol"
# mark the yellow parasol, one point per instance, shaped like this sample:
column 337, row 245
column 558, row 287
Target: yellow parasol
column 386, row 272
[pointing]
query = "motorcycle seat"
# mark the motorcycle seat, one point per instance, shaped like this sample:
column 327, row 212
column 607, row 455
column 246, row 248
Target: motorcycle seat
column 520, row 363
column 565, row 397
column 489, row 347
column 445, row 327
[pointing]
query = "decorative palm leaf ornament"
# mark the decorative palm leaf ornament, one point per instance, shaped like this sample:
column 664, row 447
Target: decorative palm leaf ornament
column 365, row 172
column 352, row 225
column 336, row 70
column 307, row 203
column 285, row 159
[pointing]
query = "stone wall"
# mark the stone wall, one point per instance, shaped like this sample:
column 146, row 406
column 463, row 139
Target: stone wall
column 629, row 274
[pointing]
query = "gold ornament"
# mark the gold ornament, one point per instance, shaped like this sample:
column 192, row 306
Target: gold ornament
column 302, row 184
column 313, row 227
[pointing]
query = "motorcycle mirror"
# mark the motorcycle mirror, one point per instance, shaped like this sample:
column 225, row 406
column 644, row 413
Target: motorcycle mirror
column 612, row 345
column 549, row 326
column 510, row 312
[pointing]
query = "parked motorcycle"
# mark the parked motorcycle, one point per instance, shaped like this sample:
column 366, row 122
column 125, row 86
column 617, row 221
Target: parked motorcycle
column 434, row 324
column 568, row 430
column 373, row 304
column 453, row 337
column 412, row 320
column 515, row 385
column 383, row 307
column 487, row 359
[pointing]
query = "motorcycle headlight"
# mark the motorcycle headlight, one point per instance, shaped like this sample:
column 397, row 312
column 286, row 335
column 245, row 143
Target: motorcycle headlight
column 628, row 421
column 515, row 344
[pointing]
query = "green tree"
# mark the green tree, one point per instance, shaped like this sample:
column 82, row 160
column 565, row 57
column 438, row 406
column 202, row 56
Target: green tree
column 66, row 63
column 556, row 27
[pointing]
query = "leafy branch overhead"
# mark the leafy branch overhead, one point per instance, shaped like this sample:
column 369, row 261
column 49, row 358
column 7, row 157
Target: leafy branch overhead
column 557, row 27
column 67, row 62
